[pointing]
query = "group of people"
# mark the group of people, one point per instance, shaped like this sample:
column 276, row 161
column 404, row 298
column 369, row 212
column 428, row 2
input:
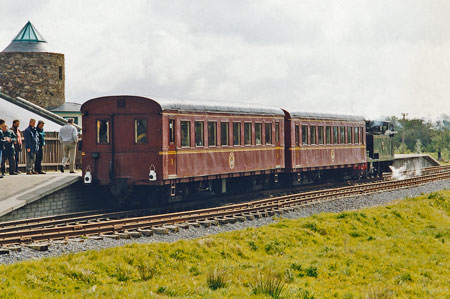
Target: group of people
column 32, row 141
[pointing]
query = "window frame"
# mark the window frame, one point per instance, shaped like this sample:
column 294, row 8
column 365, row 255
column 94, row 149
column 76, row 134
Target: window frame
column 135, row 130
column 356, row 135
column 349, row 135
column 188, row 122
column 108, row 139
column 239, row 135
column 320, row 137
column 312, row 134
column 342, row 138
column 328, row 135
column 214, row 123
column 361, row 137
column 277, row 132
column 172, row 125
column 335, row 135
column 297, row 135
column 305, row 139
column 227, row 137
column 202, row 122
column 266, row 125
column 260, row 133
column 248, row 127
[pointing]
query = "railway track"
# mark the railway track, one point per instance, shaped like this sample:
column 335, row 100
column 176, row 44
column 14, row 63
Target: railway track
column 96, row 215
column 60, row 229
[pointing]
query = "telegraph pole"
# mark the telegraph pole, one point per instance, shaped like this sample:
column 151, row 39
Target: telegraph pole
column 403, row 135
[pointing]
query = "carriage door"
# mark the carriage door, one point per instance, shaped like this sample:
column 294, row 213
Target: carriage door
column 278, row 149
column 172, row 157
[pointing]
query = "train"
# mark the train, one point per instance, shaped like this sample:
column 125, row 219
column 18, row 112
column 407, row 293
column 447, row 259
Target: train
column 170, row 150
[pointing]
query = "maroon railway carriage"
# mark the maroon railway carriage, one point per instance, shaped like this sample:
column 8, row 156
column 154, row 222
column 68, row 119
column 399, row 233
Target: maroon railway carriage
column 324, row 145
column 180, row 147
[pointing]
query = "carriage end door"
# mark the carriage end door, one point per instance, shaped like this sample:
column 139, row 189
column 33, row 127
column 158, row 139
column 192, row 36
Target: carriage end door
column 172, row 155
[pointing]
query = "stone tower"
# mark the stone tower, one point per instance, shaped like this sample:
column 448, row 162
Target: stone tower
column 29, row 70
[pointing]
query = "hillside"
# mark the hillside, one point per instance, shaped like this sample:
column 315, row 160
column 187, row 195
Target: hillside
column 398, row 250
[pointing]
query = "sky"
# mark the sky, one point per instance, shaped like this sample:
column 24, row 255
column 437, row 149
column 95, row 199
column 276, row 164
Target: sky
column 369, row 58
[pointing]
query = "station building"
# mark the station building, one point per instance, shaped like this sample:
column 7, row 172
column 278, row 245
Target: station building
column 30, row 69
column 31, row 72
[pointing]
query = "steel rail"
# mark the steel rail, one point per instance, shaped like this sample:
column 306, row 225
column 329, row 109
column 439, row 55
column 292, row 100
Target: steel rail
column 264, row 205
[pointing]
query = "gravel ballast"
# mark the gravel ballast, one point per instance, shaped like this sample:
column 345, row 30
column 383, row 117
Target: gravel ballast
column 335, row 206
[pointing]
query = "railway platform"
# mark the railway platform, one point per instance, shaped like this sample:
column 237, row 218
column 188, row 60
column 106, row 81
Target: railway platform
column 21, row 190
column 415, row 161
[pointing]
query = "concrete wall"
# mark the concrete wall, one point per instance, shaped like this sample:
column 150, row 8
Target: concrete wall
column 34, row 77
column 74, row 198
column 415, row 162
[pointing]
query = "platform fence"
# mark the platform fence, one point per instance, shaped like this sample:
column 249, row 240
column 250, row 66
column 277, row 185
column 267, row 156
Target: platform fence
column 52, row 154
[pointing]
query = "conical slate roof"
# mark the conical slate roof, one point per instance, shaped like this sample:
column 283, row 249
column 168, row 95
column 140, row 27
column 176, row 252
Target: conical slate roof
column 28, row 40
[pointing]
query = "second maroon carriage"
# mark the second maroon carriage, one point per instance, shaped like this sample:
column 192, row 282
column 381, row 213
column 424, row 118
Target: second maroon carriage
column 320, row 145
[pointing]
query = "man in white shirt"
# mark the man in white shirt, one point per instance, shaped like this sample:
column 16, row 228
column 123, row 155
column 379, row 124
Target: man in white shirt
column 68, row 136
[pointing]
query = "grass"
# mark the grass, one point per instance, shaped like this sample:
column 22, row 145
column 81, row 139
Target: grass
column 216, row 279
column 269, row 285
column 399, row 250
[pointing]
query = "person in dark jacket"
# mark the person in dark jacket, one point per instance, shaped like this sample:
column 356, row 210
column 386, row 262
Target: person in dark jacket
column 8, row 150
column 17, row 144
column 40, row 153
column 2, row 141
column 32, row 145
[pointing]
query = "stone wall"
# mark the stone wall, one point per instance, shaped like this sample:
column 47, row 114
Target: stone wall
column 73, row 198
column 36, row 77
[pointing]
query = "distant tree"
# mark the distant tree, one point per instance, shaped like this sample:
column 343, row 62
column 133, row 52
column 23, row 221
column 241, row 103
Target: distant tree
column 441, row 137
column 415, row 129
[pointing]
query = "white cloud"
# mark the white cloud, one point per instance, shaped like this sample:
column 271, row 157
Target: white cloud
column 361, row 57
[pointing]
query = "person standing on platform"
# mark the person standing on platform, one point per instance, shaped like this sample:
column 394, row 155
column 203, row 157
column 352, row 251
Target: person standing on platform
column 17, row 144
column 40, row 153
column 32, row 145
column 2, row 141
column 8, row 150
column 68, row 136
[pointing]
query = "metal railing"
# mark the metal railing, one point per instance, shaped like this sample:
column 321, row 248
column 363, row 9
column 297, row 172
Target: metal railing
column 52, row 153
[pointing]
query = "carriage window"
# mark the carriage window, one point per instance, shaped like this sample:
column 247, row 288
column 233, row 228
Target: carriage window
column 313, row 134
column 258, row 133
column 171, row 131
column 212, row 133
column 362, row 134
column 328, row 134
column 304, row 134
column 349, row 135
column 357, row 135
column 185, row 127
column 247, row 133
column 342, row 131
column 140, row 131
column 268, row 132
column 224, row 133
column 277, row 131
column 103, row 131
column 320, row 133
column 335, row 135
column 199, row 133
column 297, row 135
column 237, row 133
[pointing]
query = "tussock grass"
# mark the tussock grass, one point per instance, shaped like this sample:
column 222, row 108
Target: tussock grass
column 268, row 284
column 399, row 250
column 216, row 279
